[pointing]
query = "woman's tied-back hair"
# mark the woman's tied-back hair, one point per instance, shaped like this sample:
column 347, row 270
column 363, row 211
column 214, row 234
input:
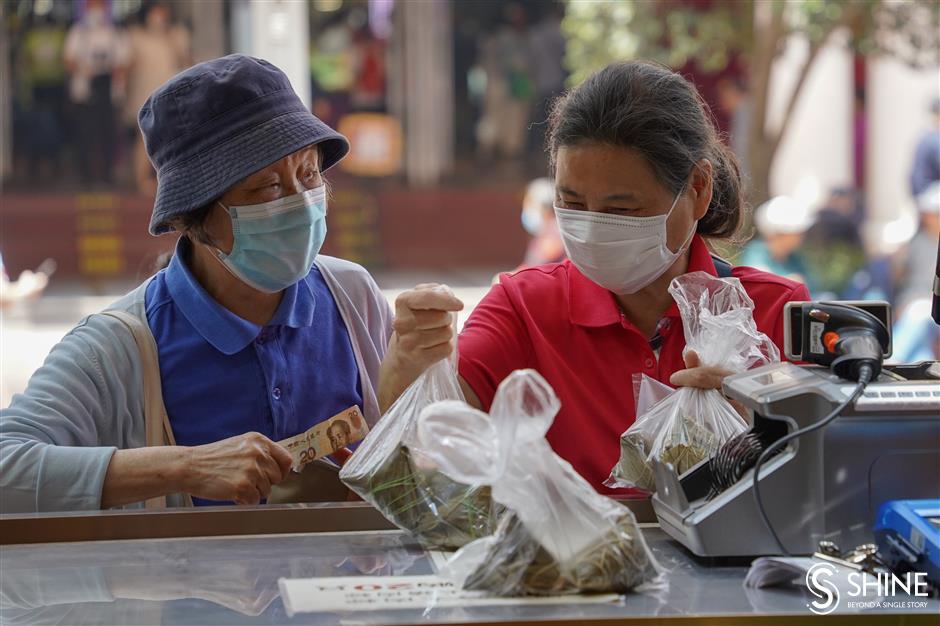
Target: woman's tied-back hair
column 655, row 111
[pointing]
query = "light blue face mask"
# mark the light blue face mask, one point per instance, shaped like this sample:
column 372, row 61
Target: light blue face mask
column 276, row 242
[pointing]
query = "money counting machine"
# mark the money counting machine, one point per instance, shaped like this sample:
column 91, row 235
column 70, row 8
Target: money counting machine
column 827, row 484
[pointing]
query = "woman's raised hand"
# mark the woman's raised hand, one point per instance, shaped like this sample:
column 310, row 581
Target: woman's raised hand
column 424, row 325
column 424, row 332
column 705, row 377
column 698, row 375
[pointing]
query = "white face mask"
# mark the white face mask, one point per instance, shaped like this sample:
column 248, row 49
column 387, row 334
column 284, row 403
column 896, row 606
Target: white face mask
column 619, row 253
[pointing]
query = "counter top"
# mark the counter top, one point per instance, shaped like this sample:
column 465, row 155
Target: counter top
column 233, row 579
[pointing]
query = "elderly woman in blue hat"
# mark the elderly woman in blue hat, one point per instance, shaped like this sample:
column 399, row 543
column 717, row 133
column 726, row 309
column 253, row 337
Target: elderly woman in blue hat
column 182, row 388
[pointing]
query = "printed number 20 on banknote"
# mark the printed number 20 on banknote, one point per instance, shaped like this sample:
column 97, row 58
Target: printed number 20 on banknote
column 327, row 437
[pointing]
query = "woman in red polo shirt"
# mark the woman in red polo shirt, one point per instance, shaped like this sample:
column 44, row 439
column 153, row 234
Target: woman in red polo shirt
column 642, row 183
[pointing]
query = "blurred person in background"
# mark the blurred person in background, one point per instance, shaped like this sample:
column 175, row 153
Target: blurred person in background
column 917, row 278
column 332, row 65
column 832, row 252
column 368, row 87
column 332, row 69
column 916, row 336
column 96, row 57
column 507, row 104
column 926, row 168
column 735, row 102
column 547, row 56
column 921, row 252
column 180, row 389
column 781, row 224
column 494, row 97
column 158, row 49
column 642, row 182
column 840, row 221
column 42, row 76
column 847, row 201
column 538, row 219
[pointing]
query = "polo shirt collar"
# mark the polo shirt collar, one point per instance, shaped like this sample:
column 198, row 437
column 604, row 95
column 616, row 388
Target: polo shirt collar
column 591, row 305
column 221, row 328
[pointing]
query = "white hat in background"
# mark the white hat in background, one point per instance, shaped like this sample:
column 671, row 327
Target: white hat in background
column 782, row 215
column 929, row 199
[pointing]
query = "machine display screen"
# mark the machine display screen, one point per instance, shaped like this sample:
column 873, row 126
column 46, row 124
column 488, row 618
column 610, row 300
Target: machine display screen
column 775, row 377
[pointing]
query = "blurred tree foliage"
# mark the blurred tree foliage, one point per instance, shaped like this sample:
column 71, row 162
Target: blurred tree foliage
column 712, row 32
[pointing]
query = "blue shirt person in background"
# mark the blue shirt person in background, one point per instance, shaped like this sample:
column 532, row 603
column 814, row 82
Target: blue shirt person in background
column 926, row 167
column 257, row 336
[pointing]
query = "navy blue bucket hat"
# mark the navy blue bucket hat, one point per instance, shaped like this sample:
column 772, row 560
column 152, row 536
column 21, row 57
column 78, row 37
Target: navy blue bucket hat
column 220, row 121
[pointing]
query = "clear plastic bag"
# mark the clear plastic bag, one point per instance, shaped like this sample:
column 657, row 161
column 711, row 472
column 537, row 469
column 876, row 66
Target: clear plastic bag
column 558, row 535
column 407, row 488
column 648, row 391
column 689, row 425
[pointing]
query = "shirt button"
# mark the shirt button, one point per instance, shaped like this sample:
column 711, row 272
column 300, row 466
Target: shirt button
column 648, row 363
column 276, row 393
column 260, row 340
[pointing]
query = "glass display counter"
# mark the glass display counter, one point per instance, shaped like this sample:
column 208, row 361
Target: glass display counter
column 215, row 576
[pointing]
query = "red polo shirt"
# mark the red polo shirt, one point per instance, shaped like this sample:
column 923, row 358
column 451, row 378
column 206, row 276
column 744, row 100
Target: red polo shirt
column 555, row 320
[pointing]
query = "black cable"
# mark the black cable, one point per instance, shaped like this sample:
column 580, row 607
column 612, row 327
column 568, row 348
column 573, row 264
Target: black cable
column 864, row 377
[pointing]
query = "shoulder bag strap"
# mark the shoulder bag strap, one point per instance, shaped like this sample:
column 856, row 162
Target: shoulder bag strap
column 157, row 422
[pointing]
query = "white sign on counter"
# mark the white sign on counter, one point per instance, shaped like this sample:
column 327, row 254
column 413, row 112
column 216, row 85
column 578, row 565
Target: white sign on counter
column 370, row 593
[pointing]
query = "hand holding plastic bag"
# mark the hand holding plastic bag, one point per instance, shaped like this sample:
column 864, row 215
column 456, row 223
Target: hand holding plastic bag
column 689, row 425
column 718, row 322
column 405, row 486
column 558, row 534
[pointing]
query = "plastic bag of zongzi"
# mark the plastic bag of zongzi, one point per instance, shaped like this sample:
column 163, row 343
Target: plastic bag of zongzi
column 688, row 425
column 558, row 535
column 406, row 487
